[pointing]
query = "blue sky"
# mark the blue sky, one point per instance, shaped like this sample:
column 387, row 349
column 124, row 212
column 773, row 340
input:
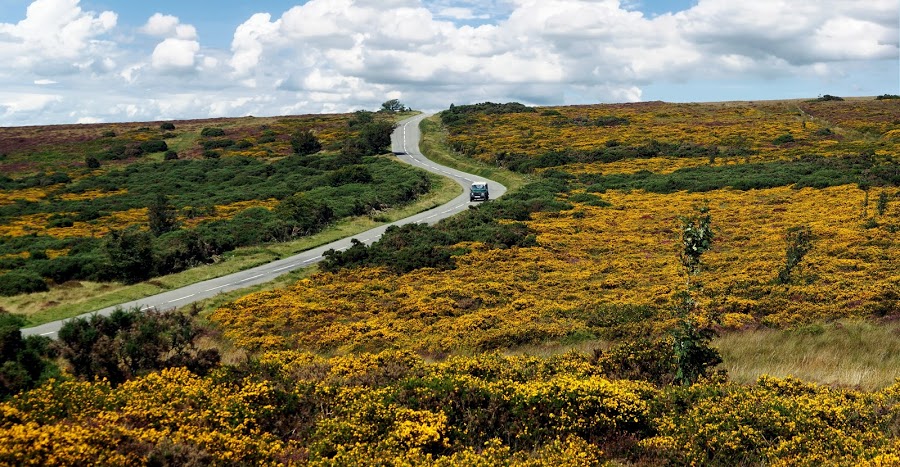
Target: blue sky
column 71, row 61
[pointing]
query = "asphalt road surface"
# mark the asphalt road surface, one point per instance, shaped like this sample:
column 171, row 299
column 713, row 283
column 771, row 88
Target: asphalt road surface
column 405, row 144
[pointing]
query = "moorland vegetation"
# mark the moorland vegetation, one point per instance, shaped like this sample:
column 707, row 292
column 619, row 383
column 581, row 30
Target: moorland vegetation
column 137, row 208
column 571, row 322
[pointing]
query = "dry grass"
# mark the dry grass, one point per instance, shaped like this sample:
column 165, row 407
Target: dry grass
column 858, row 354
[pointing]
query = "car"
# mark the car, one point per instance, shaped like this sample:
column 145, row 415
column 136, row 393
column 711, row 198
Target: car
column 479, row 192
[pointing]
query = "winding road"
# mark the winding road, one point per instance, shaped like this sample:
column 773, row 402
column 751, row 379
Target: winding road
column 405, row 144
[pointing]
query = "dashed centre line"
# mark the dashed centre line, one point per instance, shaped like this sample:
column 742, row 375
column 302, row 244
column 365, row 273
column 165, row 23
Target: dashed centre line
column 182, row 298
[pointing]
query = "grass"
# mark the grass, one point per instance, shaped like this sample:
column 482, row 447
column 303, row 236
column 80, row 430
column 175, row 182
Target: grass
column 434, row 146
column 859, row 354
column 76, row 298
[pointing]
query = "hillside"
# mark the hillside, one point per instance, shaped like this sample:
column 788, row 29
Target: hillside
column 84, row 208
column 598, row 314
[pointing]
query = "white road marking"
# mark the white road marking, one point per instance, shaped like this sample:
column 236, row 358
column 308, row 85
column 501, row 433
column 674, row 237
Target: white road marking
column 284, row 267
column 182, row 298
column 253, row 277
column 214, row 288
column 309, row 260
column 48, row 333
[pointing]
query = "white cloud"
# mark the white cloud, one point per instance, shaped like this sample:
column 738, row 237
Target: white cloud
column 175, row 55
column 161, row 25
column 27, row 102
column 56, row 31
column 339, row 55
column 249, row 41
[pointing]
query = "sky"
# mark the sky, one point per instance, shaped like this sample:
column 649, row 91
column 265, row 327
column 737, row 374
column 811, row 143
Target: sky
column 91, row 61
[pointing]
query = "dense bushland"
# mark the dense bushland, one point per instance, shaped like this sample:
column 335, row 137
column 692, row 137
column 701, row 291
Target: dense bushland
column 196, row 208
column 392, row 407
column 810, row 171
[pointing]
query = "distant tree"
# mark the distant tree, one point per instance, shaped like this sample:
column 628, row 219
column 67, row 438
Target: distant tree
column 91, row 162
column 305, row 142
column 392, row 106
column 360, row 118
column 130, row 254
column 376, row 136
column 161, row 215
column 168, row 126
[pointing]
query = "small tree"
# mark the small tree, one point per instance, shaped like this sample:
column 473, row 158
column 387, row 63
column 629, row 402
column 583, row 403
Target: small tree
column 696, row 239
column 130, row 254
column 693, row 355
column 392, row 106
column 92, row 162
column 799, row 242
column 167, row 126
column 161, row 215
column 305, row 142
column 376, row 136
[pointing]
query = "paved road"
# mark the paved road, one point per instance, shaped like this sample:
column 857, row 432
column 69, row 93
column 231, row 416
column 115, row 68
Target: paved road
column 404, row 142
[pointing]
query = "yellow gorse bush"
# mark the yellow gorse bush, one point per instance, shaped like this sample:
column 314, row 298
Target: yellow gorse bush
column 394, row 408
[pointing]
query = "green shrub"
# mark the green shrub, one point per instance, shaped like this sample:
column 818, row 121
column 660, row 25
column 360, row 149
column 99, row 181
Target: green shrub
column 91, row 162
column 212, row 132
column 170, row 155
column 887, row 97
column 305, row 142
column 783, row 139
column 130, row 254
column 24, row 362
column 350, row 174
column 154, row 145
column 130, row 343
column 217, row 143
column 55, row 222
column 21, row 282
column 210, row 154
column 610, row 120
